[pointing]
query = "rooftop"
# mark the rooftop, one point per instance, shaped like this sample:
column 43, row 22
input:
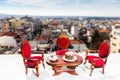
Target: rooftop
column 12, row 68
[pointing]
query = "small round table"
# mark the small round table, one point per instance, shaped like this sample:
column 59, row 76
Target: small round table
column 62, row 65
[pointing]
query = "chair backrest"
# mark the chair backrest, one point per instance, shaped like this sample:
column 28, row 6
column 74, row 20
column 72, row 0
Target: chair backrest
column 104, row 50
column 25, row 49
column 63, row 41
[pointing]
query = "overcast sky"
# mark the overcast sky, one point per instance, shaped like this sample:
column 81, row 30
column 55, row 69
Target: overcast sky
column 61, row 7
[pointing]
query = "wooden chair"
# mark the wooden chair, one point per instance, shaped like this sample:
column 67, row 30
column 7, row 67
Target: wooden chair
column 100, row 60
column 63, row 43
column 30, row 61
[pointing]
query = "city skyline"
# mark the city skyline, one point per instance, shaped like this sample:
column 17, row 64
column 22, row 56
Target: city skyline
column 61, row 7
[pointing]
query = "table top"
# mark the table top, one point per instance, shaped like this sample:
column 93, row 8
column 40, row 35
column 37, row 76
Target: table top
column 62, row 62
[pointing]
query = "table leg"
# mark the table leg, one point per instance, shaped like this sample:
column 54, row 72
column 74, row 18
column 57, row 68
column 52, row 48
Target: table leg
column 69, row 69
column 57, row 73
column 73, row 72
column 56, row 70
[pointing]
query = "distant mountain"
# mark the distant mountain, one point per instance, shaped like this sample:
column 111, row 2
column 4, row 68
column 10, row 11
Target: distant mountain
column 2, row 15
column 8, row 16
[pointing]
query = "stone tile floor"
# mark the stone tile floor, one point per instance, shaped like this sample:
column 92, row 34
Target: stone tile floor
column 12, row 68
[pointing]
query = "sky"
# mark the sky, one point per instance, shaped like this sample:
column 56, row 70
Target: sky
column 61, row 7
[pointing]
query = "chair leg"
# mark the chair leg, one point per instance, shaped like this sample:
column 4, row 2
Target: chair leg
column 85, row 60
column 103, row 70
column 43, row 63
column 37, row 70
column 92, row 68
column 26, row 70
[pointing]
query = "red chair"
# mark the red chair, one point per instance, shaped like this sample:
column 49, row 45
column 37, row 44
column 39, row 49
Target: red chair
column 30, row 62
column 61, row 52
column 63, row 43
column 100, row 60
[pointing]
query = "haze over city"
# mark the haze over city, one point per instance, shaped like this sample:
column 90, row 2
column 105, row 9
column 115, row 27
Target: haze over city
column 61, row 7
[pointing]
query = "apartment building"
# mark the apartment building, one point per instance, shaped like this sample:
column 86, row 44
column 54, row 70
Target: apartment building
column 115, row 39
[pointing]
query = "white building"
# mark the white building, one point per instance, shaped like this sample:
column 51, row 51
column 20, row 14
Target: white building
column 75, row 31
column 115, row 39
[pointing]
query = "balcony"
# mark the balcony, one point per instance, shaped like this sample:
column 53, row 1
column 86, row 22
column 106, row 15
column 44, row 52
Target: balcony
column 12, row 68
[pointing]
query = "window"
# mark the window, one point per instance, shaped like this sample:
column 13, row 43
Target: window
column 113, row 44
column 119, row 50
column 117, row 34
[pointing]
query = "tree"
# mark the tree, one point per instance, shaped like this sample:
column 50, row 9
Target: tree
column 95, row 40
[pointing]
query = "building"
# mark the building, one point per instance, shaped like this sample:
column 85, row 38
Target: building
column 16, row 23
column 5, row 26
column 115, row 38
column 75, row 31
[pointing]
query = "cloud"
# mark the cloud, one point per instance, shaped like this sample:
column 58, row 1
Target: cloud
column 60, row 2
column 67, row 7
column 43, row 3
column 87, row 1
column 26, row 2
column 63, row 4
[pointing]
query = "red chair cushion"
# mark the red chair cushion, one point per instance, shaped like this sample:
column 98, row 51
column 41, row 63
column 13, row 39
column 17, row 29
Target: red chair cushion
column 38, row 58
column 63, row 42
column 31, row 63
column 26, row 49
column 91, row 57
column 103, row 50
column 61, row 52
column 99, row 63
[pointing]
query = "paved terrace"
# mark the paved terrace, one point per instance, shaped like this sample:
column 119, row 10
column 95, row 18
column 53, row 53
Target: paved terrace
column 12, row 68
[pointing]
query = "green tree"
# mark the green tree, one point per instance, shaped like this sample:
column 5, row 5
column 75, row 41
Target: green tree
column 95, row 40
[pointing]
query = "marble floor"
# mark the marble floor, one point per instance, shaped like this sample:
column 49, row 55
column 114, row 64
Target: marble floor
column 12, row 68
